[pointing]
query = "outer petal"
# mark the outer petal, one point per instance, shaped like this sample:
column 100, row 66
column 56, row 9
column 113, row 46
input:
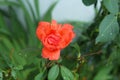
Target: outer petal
column 52, row 55
column 67, row 34
column 42, row 30
column 55, row 26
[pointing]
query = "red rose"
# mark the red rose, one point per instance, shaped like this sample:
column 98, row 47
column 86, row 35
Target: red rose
column 54, row 37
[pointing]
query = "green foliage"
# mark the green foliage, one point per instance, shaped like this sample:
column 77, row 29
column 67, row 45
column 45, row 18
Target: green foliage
column 66, row 73
column 94, row 54
column 1, row 76
column 89, row 2
column 108, row 29
column 111, row 5
column 53, row 73
column 39, row 76
column 103, row 74
column 48, row 14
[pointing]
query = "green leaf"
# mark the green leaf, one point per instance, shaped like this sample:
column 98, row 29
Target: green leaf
column 48, row 14
column 1, row 76
column 17, row 28
column 3, row 31
column 39, row 76
column 7, row 43
column 4, row 13
column 103, row 74
column 2, row 22
column 30, row 24
column 111, row 5
column 18, row 61
column 31, row 9
column 77, row 47
column 13, row 74
column 53, row 73
column 36, row 2
column 108, row 29
column 66, row 73
column 30, row 54
column 4, row 57
column 9, row 3
column 3, row 62
column 88, row 2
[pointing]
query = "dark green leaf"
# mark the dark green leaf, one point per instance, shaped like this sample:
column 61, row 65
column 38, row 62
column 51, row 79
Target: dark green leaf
column 66, row 73
column 88, row 2
column 2, row 22
column 4, row 13
column 77, row 47
column 108, row 29
column 3, row 62
column 9, row 3
column 4, row 57
column 53, row 73
column 111, row 5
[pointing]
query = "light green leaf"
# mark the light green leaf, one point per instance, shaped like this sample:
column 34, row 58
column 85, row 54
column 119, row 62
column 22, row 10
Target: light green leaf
column 13, row 73
column 103, row 74
column 1, row 76
column 108, row 29
column 111, row 5
column 39, row 76
column 66, row 73
column 88, row 2
column 53, row 73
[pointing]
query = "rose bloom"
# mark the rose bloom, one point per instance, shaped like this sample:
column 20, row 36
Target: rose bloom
column 54, row 37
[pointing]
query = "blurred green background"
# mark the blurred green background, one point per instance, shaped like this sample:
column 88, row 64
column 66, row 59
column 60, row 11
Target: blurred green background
column 94, row 54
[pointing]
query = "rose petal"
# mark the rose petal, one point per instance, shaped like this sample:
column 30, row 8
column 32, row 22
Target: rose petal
column 55, row 26
column 67, row 35
column 51, row 55
column 42, row 30
column 53, row 22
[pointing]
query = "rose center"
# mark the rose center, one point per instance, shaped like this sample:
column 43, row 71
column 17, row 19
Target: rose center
column 53, row 39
